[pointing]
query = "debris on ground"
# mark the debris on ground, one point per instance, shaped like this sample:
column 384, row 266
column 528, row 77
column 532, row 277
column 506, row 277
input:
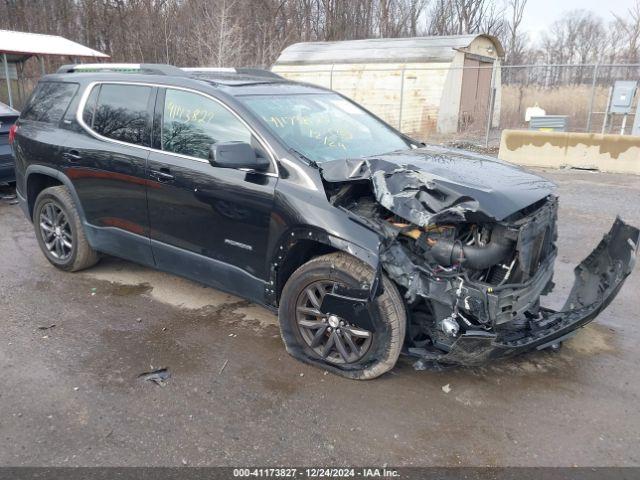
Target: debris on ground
column 224, row 365
column 159, row 376
column 446, row 388
column 474, row 147
column 431, row 365
column 7, row 194
column 47, row 327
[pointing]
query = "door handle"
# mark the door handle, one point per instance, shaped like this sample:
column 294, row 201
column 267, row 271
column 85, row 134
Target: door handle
column 72, row 156
column 162, row 175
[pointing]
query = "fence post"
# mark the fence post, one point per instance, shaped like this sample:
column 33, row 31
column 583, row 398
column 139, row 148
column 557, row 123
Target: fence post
column 606, row 110
column 6, row 77
column 593, row 96
column 492, row 99
column 401, row 98
column 331, row 77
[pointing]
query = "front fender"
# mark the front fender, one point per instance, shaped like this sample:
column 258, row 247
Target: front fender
column 291, row 237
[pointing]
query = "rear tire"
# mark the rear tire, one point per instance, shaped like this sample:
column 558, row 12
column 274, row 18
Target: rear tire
column 306, row 332
column 59, row 231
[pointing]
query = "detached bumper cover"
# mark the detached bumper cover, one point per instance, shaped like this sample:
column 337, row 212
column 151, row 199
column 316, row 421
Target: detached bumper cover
column 598, row 279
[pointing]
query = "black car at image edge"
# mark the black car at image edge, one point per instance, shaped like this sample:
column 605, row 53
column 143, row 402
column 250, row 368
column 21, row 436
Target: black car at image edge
column 367, row 244
column 8, row 117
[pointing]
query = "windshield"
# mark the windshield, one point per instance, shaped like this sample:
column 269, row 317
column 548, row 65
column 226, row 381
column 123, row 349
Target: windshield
column 324, row 127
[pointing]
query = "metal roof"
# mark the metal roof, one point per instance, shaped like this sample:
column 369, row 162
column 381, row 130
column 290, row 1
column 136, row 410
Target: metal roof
column 19, row 46
column 415, row 49
column 7, row 110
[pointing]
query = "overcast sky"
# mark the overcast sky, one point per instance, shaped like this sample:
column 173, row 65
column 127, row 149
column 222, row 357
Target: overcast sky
column 539, row 14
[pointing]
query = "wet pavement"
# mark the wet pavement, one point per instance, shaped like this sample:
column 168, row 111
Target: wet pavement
column 70, row 394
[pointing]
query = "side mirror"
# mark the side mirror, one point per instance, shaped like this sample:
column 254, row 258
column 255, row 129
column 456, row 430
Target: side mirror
column 236, row 155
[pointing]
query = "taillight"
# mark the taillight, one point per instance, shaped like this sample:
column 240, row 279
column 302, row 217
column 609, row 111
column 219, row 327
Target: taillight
column 12, row 133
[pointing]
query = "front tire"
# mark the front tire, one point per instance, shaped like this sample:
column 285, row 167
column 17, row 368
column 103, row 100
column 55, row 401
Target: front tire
column 332, row 342
column 59, row 231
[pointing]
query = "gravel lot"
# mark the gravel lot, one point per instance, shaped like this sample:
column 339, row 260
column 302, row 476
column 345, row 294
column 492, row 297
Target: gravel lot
column 70, row 395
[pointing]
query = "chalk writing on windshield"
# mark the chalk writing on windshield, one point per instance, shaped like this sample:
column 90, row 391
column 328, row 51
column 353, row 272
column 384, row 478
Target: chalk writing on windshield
column 312, row 127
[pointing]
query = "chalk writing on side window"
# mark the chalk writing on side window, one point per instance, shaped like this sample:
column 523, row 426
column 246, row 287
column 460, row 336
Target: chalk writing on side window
column 183, row 114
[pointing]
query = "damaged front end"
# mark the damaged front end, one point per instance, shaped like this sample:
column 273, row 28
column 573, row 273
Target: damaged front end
column 473, row 252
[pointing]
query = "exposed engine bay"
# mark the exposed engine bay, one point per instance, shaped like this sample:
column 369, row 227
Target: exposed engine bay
column 473, row 259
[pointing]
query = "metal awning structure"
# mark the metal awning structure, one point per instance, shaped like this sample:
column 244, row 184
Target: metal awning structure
column 18, row 47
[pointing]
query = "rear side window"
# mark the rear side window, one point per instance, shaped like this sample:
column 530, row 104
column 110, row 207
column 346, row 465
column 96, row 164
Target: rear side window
column 49, row 102
column 120, row 112
column 90, row 107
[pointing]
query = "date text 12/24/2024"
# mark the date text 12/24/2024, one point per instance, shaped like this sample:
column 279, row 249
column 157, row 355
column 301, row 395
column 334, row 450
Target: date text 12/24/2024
column 316, row 472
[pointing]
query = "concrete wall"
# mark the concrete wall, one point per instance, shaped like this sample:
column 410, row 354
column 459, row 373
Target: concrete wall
column 606, row 153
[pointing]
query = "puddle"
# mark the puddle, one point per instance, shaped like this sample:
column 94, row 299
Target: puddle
column 590, row 341
column 257, row 314
column 128, row 290
column 593, row 339
column 165, row 288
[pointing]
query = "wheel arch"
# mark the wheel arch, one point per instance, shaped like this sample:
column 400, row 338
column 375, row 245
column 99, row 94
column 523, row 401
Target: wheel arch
column 299, row 245
column 39, row 177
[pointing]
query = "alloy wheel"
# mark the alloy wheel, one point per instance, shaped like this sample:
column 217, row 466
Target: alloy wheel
column 55, row 231
column 332, row 337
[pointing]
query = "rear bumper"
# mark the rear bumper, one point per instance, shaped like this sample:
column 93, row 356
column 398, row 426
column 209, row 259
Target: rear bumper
column 23, row 204
column 598, row 279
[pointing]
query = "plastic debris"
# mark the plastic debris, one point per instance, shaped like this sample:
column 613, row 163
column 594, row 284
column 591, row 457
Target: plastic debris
column 224, row 365
column 446, row 388
column 47, row 328
column 159, row 376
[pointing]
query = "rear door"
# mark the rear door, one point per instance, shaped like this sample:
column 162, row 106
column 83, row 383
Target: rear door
column 106, row 161
column 207, row 222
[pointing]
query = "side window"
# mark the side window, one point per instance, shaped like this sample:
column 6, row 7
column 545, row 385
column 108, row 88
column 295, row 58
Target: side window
column 49, row 102
column 192, row 123
column 90, row 106
column 121, row 113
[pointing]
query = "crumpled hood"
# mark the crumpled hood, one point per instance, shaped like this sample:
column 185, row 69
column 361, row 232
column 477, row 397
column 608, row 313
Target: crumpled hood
column 432, row 184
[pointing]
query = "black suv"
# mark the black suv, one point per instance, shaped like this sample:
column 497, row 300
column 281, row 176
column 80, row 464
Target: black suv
column 366, row 242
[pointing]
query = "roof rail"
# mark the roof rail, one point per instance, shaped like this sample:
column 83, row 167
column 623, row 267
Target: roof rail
column 146, row 68
column 258, row 72
column 254, row 72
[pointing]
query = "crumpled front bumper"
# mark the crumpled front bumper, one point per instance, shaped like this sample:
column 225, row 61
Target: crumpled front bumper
column 598, row 279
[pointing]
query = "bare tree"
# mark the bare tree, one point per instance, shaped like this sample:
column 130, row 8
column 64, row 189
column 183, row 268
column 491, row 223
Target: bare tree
column 457, row 17
column 254, row 32
column 514, row 40
column 630, row 27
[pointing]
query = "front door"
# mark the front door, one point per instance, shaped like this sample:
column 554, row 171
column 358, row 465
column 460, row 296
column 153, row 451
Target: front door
column 207, row 223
